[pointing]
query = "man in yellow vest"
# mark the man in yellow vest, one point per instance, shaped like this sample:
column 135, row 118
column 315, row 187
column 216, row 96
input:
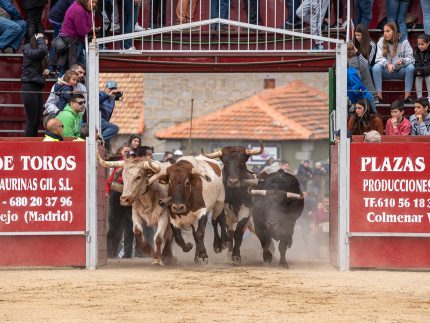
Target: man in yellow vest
column 54, row 130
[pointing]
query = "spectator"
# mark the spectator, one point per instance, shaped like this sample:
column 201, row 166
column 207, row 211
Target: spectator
column 394, row 60
column 320, row 228
column 51, row 105
column 56, row 18
column 425, row 6
column 318, row 179
column 364, row 45
column 71, row 116
column 363, row 120
column 292, row 20
column 272, row 167
column 134, row 142
column 420, row 121
column 119, row 217
column 398, row 125
column 167, row 155
column 362, row 70
column 362, row 12
column 396, row 13
column 252, row 9
column 65, row 87
column 76, row 25
column 34, row 69
column 312, row 11
column 304, row 175
column 33, row 10
column 286, row 166
column 177, row 154
column 54, row 130
column 219, row 9
column 422, row 64
column 158, row 17
column 356, row 89
column 372, row 136
column 107, row 98
column 184, row 11
column 12, row 27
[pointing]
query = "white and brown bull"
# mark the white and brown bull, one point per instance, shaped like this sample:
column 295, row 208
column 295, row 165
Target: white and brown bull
column 196, row 188
column 144, row 200
column 238, row 202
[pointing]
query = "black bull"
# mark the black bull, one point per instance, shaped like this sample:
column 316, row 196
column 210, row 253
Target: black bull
column 278, row 203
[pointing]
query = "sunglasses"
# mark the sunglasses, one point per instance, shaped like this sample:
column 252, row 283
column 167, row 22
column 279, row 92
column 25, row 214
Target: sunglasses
column 80, row 102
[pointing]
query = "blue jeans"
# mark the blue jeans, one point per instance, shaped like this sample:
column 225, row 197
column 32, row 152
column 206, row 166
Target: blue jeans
column 362, row 12
column 405, row 73
column 425, row 6
column 292, row 6
column 11, row 32
column 217, row 12
column 128, row 16
column 108, row 130
column 396, row 11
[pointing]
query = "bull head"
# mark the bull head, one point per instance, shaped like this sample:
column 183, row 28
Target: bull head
column 257, row 151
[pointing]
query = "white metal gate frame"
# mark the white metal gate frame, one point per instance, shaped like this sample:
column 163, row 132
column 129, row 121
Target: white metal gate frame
column 340, row 124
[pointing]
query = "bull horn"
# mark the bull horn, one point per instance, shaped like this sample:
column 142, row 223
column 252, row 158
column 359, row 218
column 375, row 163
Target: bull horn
column 200, row 173
column 110, row 164
column 247, row 182
column 258, row 192
column 294, row 196
column 255, row 151
column 214, row 155
column 165, row 202
column 152, row 166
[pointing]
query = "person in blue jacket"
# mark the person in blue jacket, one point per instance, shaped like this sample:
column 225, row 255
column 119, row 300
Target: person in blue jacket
column 107, row 100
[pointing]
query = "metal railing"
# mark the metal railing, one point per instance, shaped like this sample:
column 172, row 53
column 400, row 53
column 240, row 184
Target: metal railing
column 221, row 25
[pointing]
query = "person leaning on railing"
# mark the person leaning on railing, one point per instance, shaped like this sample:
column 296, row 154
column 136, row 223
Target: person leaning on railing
column 363, row 120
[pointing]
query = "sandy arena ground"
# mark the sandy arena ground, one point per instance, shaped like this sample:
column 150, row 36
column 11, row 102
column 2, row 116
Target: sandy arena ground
column 134, row 290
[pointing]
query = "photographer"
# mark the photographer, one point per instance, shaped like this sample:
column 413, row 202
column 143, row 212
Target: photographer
column 107, row 98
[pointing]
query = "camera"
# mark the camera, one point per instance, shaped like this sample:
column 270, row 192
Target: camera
column 118, row 96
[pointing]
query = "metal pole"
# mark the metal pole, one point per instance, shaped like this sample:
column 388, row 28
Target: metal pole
column 343, row 156
column 191, row 127
column 91, row 142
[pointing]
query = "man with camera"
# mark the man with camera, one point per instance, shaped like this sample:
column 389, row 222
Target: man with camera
column 107, row 98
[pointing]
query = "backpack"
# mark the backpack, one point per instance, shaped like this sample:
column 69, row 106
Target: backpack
column 355, row 87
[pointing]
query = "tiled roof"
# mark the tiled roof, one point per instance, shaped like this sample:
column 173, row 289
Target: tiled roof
column 128, row 113
column 292, row 112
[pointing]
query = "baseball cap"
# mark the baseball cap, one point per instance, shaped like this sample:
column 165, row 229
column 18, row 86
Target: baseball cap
column 111, row 85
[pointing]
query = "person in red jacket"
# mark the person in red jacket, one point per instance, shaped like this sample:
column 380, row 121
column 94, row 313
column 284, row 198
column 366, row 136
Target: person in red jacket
column 398, row 125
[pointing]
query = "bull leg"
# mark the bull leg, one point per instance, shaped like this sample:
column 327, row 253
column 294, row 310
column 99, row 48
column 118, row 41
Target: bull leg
column 225, row 241
column 143, row 244
column 230, row 234
column 163, row 223
column 217, row 238
column 283, row 245
column 180, row 240
column 238, row 238
column 199, row 236
column 167, row 254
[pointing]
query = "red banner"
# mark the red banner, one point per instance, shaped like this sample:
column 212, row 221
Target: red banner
column 42, row 186
column 390, row 187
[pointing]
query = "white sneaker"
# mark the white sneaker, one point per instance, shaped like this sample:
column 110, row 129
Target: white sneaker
column 115, row 27
column 131, row 48
column 137, row 27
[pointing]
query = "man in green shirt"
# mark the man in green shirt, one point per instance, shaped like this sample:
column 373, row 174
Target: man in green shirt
column 71, row 116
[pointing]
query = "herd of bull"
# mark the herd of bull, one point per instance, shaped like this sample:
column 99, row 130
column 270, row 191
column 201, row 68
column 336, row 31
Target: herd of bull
column 179, row 196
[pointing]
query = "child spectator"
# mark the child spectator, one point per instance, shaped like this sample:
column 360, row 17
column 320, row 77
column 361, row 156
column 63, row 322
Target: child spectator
column 398, row 125
column 394, row 60
column 365, row 46
column 65, row 87
column 422, row 64
column 363, row 120
column 420, row 121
